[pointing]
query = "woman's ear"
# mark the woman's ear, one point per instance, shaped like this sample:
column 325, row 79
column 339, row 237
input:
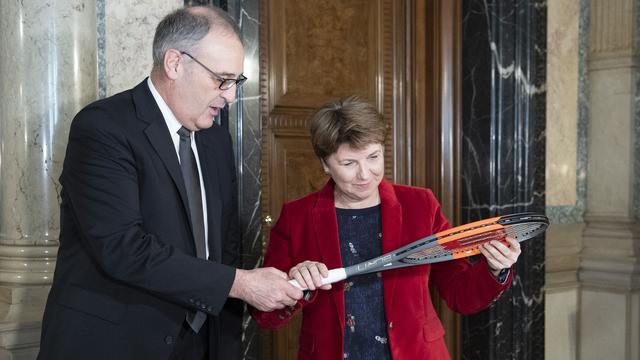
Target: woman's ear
column 324, row 166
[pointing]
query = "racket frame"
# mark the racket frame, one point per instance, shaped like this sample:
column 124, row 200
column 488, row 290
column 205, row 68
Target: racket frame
column 392, row 260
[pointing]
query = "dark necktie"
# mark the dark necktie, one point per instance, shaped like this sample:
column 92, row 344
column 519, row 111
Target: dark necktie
column 191, row 179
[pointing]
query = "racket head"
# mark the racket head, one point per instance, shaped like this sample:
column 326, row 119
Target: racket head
column 465, row 240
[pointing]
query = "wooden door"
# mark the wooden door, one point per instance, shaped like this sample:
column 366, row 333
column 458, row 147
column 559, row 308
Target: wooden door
column 315, row 51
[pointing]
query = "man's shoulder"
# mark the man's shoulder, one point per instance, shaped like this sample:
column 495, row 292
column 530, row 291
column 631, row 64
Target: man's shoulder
column 116, row 108
column 115, row 102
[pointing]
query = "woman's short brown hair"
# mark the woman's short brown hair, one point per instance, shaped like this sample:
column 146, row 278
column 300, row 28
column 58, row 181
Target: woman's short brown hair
column 350, row 120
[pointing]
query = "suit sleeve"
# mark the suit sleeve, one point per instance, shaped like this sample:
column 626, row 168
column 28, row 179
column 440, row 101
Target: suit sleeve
column 467, row 287
column 100, row 181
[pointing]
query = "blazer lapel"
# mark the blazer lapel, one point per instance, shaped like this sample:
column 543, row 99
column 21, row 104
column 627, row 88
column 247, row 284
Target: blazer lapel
column 391, row 233
column 325, row 228
column 210, row 171
column 158, row 135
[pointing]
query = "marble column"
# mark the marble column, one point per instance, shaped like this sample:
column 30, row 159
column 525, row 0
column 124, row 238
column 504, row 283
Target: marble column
column 503, row 153
column 609, row 313
column 245, row 126
column 47, row 73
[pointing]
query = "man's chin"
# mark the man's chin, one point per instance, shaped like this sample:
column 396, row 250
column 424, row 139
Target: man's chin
column 205, row 122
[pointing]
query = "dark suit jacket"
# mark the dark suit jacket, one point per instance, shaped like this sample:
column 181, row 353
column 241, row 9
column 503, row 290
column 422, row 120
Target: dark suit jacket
column 308, row 230
column 127, row 271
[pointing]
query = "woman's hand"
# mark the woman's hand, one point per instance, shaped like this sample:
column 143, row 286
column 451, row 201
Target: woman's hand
column 499, row 256
column 309, row 275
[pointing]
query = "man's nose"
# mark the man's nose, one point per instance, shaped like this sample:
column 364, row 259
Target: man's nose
column 229, row 95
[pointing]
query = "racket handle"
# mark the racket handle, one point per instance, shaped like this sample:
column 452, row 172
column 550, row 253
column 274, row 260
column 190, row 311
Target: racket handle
column 335, row 275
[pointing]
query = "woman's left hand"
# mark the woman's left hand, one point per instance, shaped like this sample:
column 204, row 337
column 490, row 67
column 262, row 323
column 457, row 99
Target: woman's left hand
column 500, row 256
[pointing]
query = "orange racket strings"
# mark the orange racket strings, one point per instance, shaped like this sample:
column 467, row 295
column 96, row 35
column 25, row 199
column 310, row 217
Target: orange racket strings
column 463, row 246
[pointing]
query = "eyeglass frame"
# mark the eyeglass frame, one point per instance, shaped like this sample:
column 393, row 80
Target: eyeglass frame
column 237, row 82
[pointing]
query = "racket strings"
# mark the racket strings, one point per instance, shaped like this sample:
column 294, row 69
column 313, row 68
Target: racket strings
column 472, row 243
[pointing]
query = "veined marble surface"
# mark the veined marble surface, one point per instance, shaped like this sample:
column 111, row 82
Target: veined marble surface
column 245, row 127
column 570, row 213
column 48, row 72
column 503, row 160
column 562, row 102
column 127, row 35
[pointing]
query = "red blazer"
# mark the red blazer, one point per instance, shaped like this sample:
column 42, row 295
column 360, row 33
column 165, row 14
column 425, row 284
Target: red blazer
column 307, row 230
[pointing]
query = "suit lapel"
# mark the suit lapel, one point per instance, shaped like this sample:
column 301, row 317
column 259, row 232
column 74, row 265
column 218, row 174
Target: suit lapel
column 325, row 227
column 158, row 135
column 391, row 233
column 210, row 173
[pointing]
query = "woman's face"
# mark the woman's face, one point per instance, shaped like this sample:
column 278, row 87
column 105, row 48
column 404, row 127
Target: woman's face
column 357, row 174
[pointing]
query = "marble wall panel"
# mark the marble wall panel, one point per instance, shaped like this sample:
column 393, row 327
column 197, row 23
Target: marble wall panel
column 245, row 126
column 606, row 312
column 560, row 321
column 562, row 102
column 503, row 130
column 611, row 137
column 47, row 72
column 126, row 34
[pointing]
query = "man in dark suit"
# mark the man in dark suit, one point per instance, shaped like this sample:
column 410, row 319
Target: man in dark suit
column 149, row 244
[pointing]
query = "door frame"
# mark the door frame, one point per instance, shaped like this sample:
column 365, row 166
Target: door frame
column 427, row 144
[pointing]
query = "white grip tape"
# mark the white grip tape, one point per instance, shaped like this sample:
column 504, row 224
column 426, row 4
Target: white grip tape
column 335, row 275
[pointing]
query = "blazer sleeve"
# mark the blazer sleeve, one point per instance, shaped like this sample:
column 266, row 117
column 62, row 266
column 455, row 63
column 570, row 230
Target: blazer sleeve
column 100, row 181
column 278, row 255
column 467, row 287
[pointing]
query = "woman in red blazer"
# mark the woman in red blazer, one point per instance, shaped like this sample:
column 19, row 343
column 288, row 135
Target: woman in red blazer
column 358, row 215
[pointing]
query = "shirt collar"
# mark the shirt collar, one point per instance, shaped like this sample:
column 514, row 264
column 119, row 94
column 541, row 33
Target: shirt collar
column 172, row 122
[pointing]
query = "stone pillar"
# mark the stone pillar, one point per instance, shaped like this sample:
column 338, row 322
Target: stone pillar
column 48, row 71
column 503, row 154
column 609, row 323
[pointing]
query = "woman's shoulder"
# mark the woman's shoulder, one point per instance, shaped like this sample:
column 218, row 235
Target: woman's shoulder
column 413, row 192
column 303, row 200
column 307, row 201
column 321, row 198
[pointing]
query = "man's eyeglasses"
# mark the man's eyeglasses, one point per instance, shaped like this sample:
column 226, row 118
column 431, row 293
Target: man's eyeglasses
column 225, row 83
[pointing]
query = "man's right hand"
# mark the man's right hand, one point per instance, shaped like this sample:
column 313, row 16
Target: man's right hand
column 266, row 289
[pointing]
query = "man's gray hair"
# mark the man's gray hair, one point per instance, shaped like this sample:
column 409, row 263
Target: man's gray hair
column 185, row 27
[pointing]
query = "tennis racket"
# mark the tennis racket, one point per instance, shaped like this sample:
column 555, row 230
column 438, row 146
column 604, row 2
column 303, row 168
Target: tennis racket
column 455, row 243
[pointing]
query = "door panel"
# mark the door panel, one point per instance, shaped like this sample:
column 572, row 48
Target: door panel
column 323, row 50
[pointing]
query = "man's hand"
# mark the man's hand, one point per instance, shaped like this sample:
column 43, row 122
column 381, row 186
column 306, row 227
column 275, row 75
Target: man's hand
column 266, row 289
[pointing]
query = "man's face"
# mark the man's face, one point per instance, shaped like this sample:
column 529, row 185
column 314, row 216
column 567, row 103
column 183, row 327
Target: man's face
column 196, row 97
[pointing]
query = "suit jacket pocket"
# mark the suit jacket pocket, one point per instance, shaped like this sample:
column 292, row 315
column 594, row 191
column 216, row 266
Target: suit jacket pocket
column 92, row 303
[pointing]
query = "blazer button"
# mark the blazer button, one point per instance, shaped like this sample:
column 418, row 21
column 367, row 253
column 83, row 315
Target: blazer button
column 168, row 340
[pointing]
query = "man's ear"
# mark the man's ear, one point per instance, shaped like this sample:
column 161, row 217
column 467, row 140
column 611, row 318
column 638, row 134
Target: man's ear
column 172, row 63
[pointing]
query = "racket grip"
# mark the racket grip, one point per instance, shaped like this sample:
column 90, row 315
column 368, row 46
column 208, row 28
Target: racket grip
column 335, row 275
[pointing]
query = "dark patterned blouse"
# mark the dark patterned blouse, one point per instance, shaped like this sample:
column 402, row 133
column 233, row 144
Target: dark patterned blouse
column 365, row 335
